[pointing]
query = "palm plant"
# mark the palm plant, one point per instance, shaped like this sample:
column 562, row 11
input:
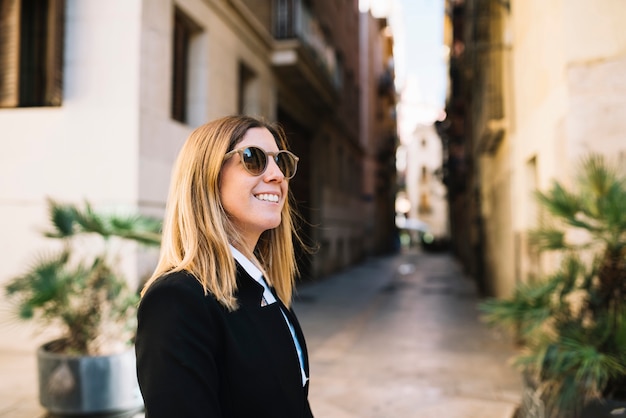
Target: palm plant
column 572, row 324
column 77, row 287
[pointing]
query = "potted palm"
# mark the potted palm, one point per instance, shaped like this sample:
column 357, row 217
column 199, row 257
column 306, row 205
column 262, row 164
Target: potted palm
column 90, row 369
column 571, row 324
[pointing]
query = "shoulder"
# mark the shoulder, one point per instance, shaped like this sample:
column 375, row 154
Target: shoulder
column 180, row 289
column 174, row 314
column 176, row 280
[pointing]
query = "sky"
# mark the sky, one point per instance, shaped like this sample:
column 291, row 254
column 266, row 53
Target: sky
column 419, row 56
column 423, row 49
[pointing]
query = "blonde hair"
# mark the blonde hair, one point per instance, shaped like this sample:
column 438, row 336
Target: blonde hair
column 197, row 230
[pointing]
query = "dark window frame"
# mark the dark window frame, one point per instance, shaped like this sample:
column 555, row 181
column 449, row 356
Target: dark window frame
column 247, row 76
column 184, row 29
column 31, row 52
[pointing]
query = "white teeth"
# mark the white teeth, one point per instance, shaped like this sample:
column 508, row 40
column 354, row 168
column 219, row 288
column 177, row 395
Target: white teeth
column 268, row 197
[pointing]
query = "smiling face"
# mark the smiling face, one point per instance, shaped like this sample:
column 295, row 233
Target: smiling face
column 253, row 203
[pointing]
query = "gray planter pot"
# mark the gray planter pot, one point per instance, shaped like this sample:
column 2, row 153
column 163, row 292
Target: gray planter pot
column 88, row 385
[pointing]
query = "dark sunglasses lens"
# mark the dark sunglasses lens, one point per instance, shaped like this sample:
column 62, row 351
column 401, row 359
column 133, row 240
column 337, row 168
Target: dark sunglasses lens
column 254, row 160
column 286, row 163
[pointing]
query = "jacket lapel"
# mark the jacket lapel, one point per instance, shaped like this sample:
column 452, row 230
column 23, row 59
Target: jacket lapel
column 272, row 331
column 299, row 333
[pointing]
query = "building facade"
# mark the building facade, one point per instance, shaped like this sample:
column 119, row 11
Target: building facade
column 421, row 181
column 534, row 86
column 378, row 133
column 97, row 97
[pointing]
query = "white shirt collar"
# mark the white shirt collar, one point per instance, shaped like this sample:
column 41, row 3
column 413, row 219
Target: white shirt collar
column 247, row 265
column 254, row 272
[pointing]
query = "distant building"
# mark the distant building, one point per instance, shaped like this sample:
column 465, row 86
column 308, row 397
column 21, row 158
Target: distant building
column 423, row 185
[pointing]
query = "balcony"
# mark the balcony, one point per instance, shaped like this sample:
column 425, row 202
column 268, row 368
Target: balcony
column 302, row 58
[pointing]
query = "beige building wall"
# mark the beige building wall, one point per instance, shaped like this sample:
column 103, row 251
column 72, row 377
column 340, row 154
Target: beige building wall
column 595, row 50
column 565, row 95
column 496, row 211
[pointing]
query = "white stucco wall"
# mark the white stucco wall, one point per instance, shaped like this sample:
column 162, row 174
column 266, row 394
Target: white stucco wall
column 85, row 149
column 112, row 141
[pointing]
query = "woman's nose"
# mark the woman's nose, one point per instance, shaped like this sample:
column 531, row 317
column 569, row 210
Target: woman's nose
column 273, row 172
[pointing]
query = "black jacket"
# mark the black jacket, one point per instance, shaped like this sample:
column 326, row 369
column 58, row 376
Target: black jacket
column 197, row 359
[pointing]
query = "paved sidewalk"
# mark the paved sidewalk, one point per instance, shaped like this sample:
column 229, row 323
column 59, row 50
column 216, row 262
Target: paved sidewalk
column 394, row 337
column 398, row 337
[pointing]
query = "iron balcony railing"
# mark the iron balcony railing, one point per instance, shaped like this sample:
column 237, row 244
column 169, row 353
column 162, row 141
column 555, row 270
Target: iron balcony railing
column 293, row 19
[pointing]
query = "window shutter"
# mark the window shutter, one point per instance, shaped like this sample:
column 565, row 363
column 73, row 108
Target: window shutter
column 53, row 95
column 9, row 52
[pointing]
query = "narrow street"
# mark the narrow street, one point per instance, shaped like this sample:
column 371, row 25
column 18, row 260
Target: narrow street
column 400, row 337
column 393, row 337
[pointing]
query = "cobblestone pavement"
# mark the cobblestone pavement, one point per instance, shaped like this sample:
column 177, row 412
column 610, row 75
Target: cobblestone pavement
column 393, row 337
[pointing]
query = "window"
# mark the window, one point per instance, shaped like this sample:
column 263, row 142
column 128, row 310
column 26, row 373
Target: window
column 246, row 100
column 184, row 31
column 31, row 52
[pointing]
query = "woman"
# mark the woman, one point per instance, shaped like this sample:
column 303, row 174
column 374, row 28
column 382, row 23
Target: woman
column 216, row 335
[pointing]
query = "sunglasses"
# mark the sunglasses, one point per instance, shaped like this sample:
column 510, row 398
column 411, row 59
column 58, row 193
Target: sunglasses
column 255, row 160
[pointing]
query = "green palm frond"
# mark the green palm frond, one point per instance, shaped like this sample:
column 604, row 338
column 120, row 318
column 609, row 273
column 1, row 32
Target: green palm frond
column 92, row 222
column 560, row 202
column 597, row 176
column 69, row 220
column 531, row 357
column 569, row 275
column 575, row 364
column 525, row 311
column 63, row 220
column 142, row 229
column 46, row 281
column 546, row 239
column 578, row 362
column 618, row 334
column 611, row 207
column 603, row 195
column 588, row 280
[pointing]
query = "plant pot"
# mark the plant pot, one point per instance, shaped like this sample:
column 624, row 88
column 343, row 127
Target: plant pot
column 604, row 408
column 533, row 406
column 74, row 386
